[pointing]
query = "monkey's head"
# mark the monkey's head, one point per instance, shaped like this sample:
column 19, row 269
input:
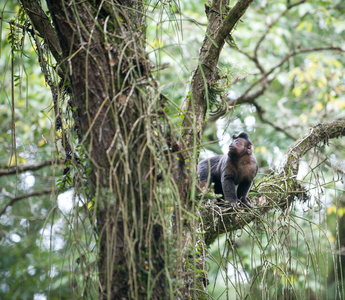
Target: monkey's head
column 240, row 145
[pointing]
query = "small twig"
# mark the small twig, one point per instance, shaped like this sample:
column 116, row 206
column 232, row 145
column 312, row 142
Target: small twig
column 249, row 98
column 21, row 197
column 22, row 169
column 245, row 97
column 260, row 113
column 24, row 28
column 269, row 27
column 13, row 115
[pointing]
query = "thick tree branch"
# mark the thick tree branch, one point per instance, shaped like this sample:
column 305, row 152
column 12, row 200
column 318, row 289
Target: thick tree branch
column 211, row 59
column 319, row 133
column 274, row 191
column 206, row 74
column 41, row 23
column 260, row 113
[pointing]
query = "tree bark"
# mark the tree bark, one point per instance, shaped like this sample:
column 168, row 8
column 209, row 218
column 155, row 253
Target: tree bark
column 110, row 79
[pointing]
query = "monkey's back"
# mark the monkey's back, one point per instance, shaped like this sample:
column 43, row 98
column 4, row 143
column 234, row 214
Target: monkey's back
column 212, row 175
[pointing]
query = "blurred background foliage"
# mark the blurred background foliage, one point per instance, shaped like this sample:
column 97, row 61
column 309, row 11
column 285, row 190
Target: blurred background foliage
column 295, row 254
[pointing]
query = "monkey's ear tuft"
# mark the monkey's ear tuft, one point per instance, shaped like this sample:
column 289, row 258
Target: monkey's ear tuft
column 243, row 135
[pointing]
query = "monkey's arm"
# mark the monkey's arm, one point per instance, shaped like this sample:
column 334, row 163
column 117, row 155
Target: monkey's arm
column 229, row 190
column 242, row 191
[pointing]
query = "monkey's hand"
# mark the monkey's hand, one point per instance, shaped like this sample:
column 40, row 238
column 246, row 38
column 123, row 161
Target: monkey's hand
column 246, row 203
column 234, row 204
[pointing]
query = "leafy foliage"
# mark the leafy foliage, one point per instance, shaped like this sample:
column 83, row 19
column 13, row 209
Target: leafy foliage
column 293, row 52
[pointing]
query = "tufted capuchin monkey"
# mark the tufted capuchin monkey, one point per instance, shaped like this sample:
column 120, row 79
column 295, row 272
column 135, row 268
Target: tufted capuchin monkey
column 237, row 168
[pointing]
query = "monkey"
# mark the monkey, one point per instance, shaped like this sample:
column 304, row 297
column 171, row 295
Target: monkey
column 237, row 168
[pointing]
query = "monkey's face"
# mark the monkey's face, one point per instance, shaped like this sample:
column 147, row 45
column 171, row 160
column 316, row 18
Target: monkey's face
column 240, row 147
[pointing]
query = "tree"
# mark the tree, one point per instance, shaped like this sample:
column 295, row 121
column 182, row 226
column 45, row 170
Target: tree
column 130, row 165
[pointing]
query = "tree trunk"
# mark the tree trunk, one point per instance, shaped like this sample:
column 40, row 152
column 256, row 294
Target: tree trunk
column 115, row 98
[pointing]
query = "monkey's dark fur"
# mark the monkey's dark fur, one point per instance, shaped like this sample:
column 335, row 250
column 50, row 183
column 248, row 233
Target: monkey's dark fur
column 238, row 167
